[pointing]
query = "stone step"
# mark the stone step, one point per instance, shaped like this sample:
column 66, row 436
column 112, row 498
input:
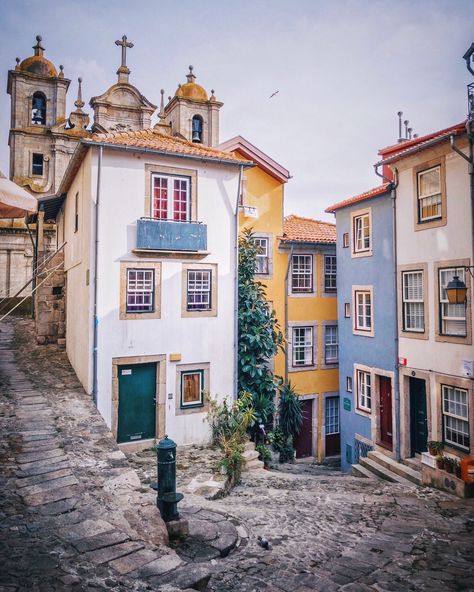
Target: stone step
column 252, row 465
column 414, row 463
column 392, row 465
column 250, row 455
column 360, row 471
column 249, row 445
column 382, row 472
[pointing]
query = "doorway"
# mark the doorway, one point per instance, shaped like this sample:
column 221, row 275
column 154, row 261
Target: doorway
column 136, row 402
column 418, row 416
column 303, row 442
column 385, row 412
column 333, row 436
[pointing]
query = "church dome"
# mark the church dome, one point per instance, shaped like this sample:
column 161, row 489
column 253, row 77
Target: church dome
column 191, row 90
column 38, row 64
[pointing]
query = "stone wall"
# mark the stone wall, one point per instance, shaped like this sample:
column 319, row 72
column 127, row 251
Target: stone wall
column 50, row 302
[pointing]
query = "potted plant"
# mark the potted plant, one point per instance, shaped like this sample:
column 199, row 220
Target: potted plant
column 449, row 465
column 457, row 468
column 435, row 447
column 440, row 461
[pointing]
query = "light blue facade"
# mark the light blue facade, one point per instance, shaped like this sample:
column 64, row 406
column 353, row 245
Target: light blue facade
column 361, row 430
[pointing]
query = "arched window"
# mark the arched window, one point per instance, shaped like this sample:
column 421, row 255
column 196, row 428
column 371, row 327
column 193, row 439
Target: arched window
column 38, row 109
column 197, row 129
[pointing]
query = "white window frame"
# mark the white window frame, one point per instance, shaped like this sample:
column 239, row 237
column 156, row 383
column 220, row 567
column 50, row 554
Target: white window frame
column 144, row 283
column 361, row 244
column 302, row 274
column 410, row 303
column 364, row 390
column 305, row 343
column 170, row 197
column 349, row 384
column 452, row 409
column 444, row 305
column 332, row 420
column 199, row 288
column 192, row 404
column 435, row 199
column 330, row 274
column 328, row 329
column 262, row 264
column 362, row 296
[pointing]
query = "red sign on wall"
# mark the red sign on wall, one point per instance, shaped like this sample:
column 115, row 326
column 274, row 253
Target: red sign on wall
column 402, row 361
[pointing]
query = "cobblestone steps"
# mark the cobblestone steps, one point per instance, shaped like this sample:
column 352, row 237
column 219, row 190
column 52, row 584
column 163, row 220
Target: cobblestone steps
column 400, row 469
column 361, row 471
column 383, row 472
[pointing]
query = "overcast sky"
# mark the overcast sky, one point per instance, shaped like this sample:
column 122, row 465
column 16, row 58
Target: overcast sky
column 343, row 68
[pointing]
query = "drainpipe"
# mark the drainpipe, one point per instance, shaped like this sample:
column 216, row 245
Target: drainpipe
column 236, row 287
column 286, row 312
column 396, row 380
column 96, row 276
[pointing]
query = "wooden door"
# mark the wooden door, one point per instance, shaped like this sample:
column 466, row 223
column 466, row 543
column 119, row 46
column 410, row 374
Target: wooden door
column 418, row 416
column 333, row 437
column 303, row 442
column 385, row 408
column 137, row 402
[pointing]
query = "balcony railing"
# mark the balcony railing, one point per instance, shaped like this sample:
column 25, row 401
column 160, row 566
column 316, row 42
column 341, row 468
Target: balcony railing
column 171, row 235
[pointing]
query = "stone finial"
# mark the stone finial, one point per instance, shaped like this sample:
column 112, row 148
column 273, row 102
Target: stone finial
column 161, row 114
column 213, row 98
column 123, row 72
column 61, row 71
column 191, row 77
column 17, row 60
column 79, row 103
column 39, row 49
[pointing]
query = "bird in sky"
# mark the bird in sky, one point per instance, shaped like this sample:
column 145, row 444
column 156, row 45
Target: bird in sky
column 273, row 94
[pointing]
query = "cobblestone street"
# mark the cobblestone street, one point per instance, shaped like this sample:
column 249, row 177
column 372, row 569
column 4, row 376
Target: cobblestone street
column 75, row 516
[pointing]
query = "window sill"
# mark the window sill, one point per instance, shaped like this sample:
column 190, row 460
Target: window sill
column 171, row 254
column 307, row 368
column 459, row 339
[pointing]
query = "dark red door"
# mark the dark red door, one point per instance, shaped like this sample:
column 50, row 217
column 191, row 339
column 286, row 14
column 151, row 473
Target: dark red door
column 333, row 437
column 303, row 442
column 386, row 437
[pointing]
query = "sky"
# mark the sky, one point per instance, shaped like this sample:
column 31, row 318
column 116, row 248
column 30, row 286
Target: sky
column 342, row 69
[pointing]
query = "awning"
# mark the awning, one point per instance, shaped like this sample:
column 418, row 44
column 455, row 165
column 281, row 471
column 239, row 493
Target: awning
column 15, row 202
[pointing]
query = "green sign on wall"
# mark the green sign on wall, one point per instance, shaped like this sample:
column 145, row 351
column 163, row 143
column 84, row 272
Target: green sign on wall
column 347, row 404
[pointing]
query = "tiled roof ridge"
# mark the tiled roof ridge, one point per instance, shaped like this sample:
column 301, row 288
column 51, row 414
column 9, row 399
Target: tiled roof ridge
column 360, row 197
column 296, row 217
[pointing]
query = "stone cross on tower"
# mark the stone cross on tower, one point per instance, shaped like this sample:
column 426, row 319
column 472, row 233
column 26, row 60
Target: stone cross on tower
column 123, row 72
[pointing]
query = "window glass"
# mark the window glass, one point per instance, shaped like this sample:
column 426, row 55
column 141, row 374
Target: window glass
column 302, row 273
column 302, row 346
column 364, row 311
column 413, row 303
column 364, row 390
column 261, row 266
column 171, row 198
column 192, row 388
column 37, row 164
column 140, row 289
column 332, row 415
column 331, row 346
column 452, row 316
column 199, row 289
column 330, row 273
column 455, row 417
column 361, row 233
column 429, row 194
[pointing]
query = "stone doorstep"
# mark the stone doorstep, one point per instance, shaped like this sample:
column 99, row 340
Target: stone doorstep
column 40, row 455
column 35, row 479
column 107, row 554
column 49, row 485
column 54, row 495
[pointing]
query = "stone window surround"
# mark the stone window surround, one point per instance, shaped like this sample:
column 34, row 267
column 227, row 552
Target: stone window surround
column 463, row 383
column 185, row 313
column 429, row 164
column 363, row 333
column 437, row 265
column 136, row 316
column 151, row 169
column 269, row 237
column 367, row 252
column 401, row 331
column 206, row 367
column 322, row 362
column 314, row 365
column 160, row 360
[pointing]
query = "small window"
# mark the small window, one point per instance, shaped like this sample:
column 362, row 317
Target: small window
column 330, row 272
column 412, row 301
column 332, row 415
column 349, row 384
column 331, row 345
column 38, row 109
column 261, row 267
column 303, row 346
column 197, row 129
column 455, row 417
column 452, row 316
column 192, row 388
column 171, row 198
column 302, row 274
column 76, row 213
column 361, row 232
column 199, row 290
column 140, row 290
column 347, row 310
column 364, row 390
column 345, row 240
column 37, row 164
column 363, row 315
column 429, row 194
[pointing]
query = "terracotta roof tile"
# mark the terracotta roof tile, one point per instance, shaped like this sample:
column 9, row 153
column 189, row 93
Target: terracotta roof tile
column 357, row 198
column 153, row 139
column 308, row 230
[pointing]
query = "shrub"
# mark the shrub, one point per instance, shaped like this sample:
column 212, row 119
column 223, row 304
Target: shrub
column 263, row 453
column 290, row 412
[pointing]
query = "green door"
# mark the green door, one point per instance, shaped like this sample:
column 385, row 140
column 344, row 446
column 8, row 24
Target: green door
column 418, row 416
column 137, row 404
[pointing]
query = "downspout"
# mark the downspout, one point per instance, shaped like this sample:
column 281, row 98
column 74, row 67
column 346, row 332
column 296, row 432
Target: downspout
column 396, row 379
column 236, row 286
column 96, row 276
column 290, row 258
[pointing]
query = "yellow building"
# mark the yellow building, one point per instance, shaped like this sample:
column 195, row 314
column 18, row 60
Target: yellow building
column 297, row 265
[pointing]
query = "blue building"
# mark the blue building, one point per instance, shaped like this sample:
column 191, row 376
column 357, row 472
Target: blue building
column 367, row 325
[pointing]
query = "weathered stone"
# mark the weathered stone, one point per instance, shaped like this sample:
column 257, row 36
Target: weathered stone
column 178, row 528
column 46, row 497
column 128, row 563
column 49, row 485
column 105, row 539
column 110, row 553
column 87, row 528
column 195, row 576
column 163, row 564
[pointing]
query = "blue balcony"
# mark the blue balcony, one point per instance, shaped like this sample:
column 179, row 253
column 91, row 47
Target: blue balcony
column 170, row 235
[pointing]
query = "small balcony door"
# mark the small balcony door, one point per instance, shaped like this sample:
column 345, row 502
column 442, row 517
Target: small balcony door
column 171, row 198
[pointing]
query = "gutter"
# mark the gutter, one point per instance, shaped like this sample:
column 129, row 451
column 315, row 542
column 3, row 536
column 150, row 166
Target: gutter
column 96, row 277
column 290, row 258
column 236, row 287
column 396, row 378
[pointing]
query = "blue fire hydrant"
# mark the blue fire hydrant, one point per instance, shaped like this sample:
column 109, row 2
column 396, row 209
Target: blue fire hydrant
column 167, row 498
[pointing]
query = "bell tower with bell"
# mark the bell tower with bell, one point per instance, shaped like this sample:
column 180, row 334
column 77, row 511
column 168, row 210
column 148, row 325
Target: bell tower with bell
column 192, row 114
